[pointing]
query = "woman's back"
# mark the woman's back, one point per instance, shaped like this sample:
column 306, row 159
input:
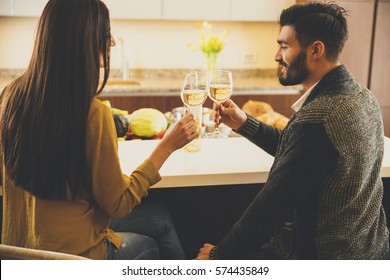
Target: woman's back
column 79, row 226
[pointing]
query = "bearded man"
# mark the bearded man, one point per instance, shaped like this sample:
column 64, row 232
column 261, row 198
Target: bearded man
column 323, row 196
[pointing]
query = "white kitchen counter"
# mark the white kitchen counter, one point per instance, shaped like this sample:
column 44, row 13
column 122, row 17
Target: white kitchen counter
column 228, row 161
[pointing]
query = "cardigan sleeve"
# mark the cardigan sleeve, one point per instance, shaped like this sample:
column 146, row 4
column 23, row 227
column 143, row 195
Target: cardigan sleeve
column 115, row 193
column 307, row 161
column 261, row 134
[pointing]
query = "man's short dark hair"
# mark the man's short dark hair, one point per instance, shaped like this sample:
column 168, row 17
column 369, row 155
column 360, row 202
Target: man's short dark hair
column 313, row 21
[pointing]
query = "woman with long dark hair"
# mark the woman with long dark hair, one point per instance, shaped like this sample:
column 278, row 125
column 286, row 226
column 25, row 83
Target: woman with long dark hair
column 62, row 178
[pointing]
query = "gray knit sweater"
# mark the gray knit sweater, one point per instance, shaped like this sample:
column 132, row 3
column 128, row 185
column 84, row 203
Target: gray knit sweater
column 323, row 197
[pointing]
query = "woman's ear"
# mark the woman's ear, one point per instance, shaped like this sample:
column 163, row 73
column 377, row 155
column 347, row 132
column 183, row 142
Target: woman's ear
column 113, row 41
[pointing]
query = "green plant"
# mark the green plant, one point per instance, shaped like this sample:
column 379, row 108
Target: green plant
column 210, row 44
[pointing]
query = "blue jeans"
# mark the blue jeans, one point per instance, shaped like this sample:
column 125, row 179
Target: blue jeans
column 151, row 220
column 133, row 247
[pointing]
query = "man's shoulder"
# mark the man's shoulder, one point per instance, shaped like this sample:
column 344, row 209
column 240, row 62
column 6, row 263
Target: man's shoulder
column 351, row 98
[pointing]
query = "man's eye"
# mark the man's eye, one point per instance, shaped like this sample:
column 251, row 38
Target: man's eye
column 283, row 48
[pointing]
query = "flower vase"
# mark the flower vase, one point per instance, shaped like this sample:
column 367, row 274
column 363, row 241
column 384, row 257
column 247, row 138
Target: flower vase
column 211, row 59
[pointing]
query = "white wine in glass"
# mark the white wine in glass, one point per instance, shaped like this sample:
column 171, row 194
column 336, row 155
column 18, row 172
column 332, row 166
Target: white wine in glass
column 221, row 89
column 193, row 94
column 195, row 88
column 194, row 97
column 220, row 92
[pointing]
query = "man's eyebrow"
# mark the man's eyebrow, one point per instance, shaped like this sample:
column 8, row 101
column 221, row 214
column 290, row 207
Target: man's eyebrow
column 282, row 42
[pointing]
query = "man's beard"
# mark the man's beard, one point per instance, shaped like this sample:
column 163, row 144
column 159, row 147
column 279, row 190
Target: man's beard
column 296, row 73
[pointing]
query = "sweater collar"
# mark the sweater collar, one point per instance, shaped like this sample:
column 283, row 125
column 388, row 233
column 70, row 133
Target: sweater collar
column 298, row 104
column 328, row 82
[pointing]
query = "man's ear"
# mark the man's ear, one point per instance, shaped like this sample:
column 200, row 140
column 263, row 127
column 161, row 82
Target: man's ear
column 317, row 49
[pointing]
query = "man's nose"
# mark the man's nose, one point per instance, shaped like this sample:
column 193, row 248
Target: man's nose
column 278, row 55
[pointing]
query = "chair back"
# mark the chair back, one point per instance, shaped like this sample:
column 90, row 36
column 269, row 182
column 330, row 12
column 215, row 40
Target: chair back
column 18, row 253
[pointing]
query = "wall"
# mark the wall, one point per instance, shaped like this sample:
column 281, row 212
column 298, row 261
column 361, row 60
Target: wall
column 155, row 44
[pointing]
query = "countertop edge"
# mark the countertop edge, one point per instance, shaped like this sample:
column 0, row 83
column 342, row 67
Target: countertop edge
column 260, row 91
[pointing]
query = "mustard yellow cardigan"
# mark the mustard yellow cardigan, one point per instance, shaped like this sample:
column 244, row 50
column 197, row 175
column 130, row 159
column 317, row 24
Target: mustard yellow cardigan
column 79, row 226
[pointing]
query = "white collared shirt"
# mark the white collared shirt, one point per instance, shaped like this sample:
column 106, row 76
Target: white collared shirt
column 298, row 104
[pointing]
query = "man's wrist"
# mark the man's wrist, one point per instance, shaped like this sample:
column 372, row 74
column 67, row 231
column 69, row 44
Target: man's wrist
column 249, row 128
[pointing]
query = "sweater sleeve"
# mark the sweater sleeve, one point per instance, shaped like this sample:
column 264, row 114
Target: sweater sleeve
column 115, row 193
column 262, row 135
column 307, row 161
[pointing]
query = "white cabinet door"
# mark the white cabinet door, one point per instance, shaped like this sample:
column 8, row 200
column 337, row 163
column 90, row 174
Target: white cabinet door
column 134, row 9
column 6, row 8
column 196, row 9
column 29, row 8
column 257, row 10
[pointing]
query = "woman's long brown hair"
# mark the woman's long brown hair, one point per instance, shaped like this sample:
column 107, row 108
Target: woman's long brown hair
column 43, row 114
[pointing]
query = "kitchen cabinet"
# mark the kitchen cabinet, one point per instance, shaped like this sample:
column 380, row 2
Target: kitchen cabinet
column 132, row 103
column 211, row 10
column 356, row 53
column 227, row 10
column 28, row 8
column 135, row 9
column 257, row 10
column 380, row 71
column 119, row 9
column 196, row 10
column 6, row 8
column 280, row 102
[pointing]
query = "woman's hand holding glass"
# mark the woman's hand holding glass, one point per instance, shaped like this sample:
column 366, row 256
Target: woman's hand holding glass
column 177, row 136
column 181, row 133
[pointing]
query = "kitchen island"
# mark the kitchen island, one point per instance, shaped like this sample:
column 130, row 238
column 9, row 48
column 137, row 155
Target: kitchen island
column 226, row 161
column 207, row 191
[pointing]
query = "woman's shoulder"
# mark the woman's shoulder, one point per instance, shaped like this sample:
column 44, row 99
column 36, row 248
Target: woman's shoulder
column 96, row 104
column 99, row 117
column 97, row 107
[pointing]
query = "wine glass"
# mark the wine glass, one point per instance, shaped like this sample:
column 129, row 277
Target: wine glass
column 193, row 93
column 195, row 88
column 221, row 89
